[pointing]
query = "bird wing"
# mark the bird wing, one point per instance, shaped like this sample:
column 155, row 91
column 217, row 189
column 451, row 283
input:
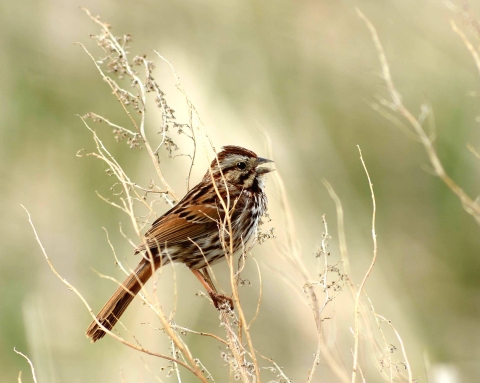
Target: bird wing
column 179, row 225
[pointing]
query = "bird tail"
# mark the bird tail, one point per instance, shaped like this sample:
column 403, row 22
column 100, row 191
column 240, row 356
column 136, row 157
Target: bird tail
column 118, row 303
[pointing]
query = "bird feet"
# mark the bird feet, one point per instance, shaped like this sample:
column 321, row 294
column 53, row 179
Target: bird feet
column 221, row 301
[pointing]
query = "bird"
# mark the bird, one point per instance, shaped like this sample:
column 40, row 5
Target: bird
column 216, row 217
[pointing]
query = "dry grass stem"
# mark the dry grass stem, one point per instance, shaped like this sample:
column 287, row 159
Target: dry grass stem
column 385, row 343
column 113, row 43
column 194, row 370
column 340, row 226
column 367, row 274
column 427, row 141
column 29, row 362
column 399, row 338
column 468, row 44
column 317, row 286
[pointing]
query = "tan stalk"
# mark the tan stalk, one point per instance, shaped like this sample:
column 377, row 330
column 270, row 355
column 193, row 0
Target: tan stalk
column 29, row 362
column 470, row 206
column 367, row 274
column 193, row 370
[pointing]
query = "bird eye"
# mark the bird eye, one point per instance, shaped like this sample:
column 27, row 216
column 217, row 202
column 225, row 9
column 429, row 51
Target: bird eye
column 241, row 165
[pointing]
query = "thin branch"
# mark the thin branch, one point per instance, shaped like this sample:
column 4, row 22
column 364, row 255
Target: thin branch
column 407, row 364
column 207, row 334
column 367, row 274
column 110, row 333
column 142, row 93
column 470, row 206
column 340, row 226
column 468, row 44
column 29, row 362
column 385, row 343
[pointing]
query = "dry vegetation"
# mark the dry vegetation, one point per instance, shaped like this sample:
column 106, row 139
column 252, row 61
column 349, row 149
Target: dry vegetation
column 132, row 81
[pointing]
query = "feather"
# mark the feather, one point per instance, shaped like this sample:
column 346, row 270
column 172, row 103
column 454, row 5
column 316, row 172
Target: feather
column 190, row 222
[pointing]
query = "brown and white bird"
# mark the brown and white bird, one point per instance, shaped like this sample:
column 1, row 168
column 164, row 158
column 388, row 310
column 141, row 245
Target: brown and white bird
column 197, row 230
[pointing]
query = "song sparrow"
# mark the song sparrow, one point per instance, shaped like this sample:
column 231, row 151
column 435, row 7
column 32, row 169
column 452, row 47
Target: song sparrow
column 197, row 230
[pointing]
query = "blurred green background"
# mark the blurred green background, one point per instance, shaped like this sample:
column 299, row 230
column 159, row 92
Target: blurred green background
column 304, row 71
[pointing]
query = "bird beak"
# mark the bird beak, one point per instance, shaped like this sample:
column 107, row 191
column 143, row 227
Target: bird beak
column 261, row 161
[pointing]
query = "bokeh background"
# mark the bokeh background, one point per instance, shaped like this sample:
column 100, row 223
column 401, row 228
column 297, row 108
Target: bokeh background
column 304, row 72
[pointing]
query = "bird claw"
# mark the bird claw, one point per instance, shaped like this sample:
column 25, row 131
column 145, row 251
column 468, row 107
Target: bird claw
column 221, row 301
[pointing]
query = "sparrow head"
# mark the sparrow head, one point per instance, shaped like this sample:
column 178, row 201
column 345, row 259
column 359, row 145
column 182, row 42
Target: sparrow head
column 239, row 166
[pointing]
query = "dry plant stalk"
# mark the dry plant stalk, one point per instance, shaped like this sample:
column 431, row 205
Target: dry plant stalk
column 367, row 274
column 415, row 128
column 129, row 196
column 319, row 289
column 116, row 54
column 333, row 278
column 34, row 376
